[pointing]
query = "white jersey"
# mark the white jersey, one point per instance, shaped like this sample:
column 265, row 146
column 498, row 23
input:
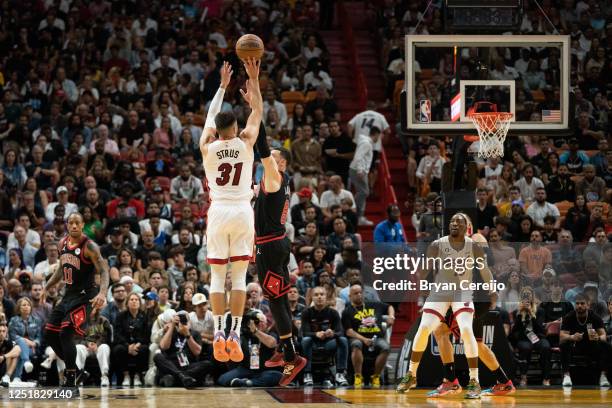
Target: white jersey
column 364, row 121
column 457, row 272
column 229, row 170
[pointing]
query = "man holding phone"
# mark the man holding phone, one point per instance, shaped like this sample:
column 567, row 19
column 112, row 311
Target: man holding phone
column 582, row 332
column 181, row 347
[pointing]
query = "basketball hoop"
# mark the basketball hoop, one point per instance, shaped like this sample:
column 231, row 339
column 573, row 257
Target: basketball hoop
column 492, row 129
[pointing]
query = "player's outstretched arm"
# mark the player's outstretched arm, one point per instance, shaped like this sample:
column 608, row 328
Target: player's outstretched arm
column 255, row 101
column 210, row 129
column 93, row 252
column 272, row 178
column 56, row 276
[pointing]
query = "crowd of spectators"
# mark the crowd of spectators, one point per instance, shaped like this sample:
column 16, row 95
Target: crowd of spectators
column 101, row 110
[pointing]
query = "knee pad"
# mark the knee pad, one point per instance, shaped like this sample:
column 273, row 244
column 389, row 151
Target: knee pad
column 217, row 278
column 239, row 272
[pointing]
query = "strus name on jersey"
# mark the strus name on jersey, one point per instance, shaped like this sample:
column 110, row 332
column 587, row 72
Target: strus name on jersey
column 71, row 260
column 225, row 153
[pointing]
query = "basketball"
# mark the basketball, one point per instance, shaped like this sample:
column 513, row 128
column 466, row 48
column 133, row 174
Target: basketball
column 249, row 46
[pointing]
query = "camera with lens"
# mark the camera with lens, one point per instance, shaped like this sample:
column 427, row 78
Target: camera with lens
column 251, row 315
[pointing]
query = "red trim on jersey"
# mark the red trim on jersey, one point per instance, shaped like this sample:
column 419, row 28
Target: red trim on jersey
column 216, row 261
column 240, row 258
column 269, row 238
column 463, row 309
column 436, row 313
column 82, row 255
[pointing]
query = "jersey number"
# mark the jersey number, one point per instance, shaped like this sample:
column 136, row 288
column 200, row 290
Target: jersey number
column 367, row 123
column 226, row 171
column 68, row 275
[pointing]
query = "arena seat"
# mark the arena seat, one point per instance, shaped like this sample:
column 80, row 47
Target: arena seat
column 292, row 97
column 563, row 206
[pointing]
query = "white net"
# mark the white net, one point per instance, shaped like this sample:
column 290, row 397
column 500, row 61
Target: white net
column 492, row 130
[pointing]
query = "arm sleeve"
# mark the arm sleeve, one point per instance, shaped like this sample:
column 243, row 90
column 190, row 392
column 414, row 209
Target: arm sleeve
column 214, row 108
column 262, row 142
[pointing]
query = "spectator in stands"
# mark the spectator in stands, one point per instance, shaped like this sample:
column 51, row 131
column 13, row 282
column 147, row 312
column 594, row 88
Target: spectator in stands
column 257, row 346
column 32, row 237
column 352, row 276
column 181, row 346
column 334, row 196
column 510, row 297
column 187, row 187
column 306, row 155
column 96, row 342
column 528, row 184
column 542, row 208
column 565, row 259
column 583, row 333
column 26, row 331
column 9, row 352
column 316, row 78
column 527, row 335
column 322, row 329
column 430, row 227
column 307, row 279
column 596, row 222
column 560, row 186
column 40, row 308
column 534, row 257
column 131, row 332
column 338, row 151
column 16, row 264
column 118, row 303
column 594, row 251
column 485, row 212
column 363, row 324
column 502, row 255
column 359, row 169
column 335, row 239
column 583, row 278
column 592, row 187
column 429, row 170
column 390, row 230
column 555, row 307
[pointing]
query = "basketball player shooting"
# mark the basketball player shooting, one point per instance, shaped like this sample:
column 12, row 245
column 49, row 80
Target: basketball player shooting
column 273, row 249
column 228, row 163
column 454, row 246
column 79, row 261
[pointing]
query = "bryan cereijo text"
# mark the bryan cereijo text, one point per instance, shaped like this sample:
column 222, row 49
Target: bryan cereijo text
column 424, row 285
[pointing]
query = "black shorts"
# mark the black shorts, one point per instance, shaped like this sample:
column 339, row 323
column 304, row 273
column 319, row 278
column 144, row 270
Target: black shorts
column 272, row 258
column 480, row 311
column 73, row 311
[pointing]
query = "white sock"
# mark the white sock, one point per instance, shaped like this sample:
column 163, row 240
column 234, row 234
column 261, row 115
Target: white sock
column 474, row 374
column 236, row 324
column 219, row 324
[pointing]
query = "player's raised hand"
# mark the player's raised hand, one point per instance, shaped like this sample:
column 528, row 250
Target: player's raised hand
column 251, row 65
column 226, row 74
column 247, row 94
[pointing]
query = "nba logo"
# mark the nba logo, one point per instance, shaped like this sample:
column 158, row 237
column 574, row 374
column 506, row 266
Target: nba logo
column 425, row 111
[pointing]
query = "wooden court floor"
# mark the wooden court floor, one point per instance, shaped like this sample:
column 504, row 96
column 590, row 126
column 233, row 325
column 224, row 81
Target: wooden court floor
column 260, row 398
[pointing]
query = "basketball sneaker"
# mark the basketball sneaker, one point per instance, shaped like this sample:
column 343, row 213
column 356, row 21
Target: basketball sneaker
column 219, row 348
column 375, row 381
column 500, row 389
column 233, row 347
column 446, row 388
column 473, row 390
column 277, row 360
column 603, row 380
column 291, row 370
column 358, row 382
column 408, row 382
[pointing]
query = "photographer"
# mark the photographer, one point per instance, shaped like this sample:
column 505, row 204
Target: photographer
column 528, row 334
column 181, row 346
column 583, row 333
column 321, row 326
column 257, row 346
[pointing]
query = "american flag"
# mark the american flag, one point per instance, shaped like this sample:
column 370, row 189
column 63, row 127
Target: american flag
column 551, row 116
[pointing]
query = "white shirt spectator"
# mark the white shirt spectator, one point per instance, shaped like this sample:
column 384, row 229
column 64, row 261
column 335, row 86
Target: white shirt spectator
column 295, row 200
column 427, row 162
column 57, row 23
column 308, row 53
column 140, row 29
column 537, row 212
column 32, row 238
column 110, row 146
column 329, row 198
column 175, row 124
column 364, row 121
column 507, row 73
column 362, row 160
column 43, row 269
column 528, row 189
column 50, row 210
column 324, row 79
column 164, row 225
column 206, row 325
column 280, row 109
column 196, row 71
column 189, row 189
column 219, row 38
column 172, row 63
